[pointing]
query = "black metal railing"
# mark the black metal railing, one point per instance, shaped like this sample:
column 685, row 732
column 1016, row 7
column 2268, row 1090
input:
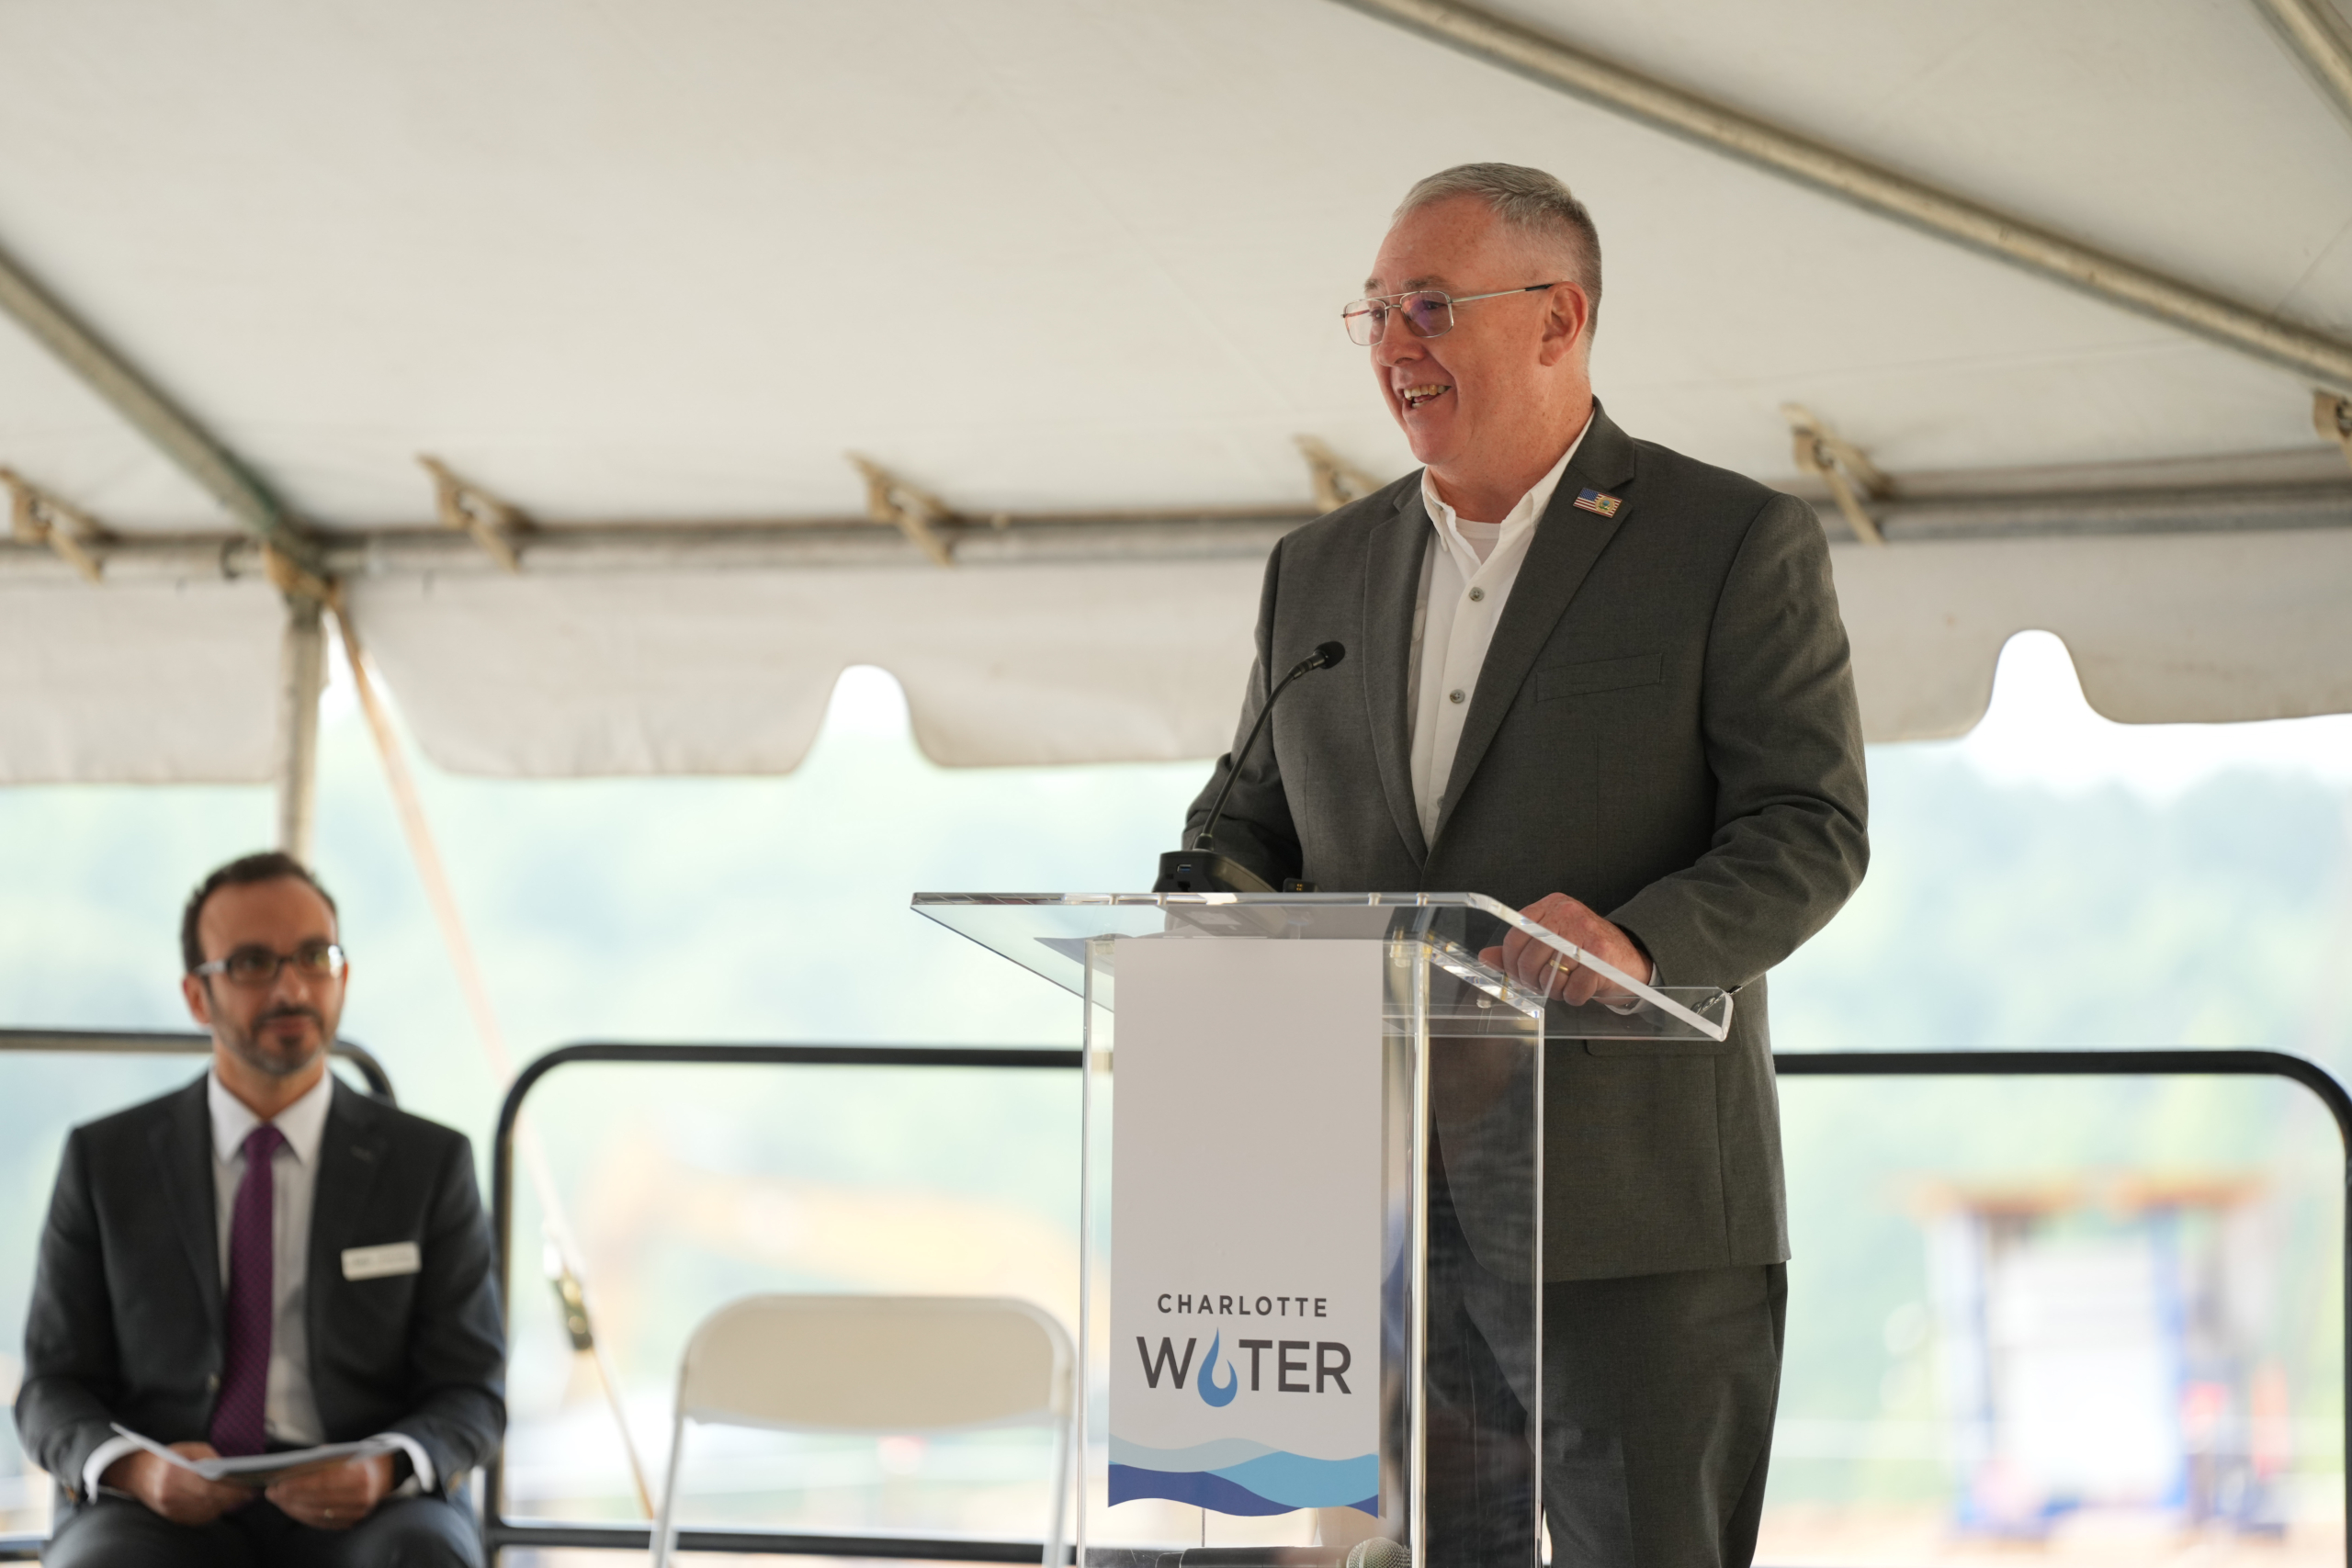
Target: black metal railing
column 500, row 1532
column 166, row 1043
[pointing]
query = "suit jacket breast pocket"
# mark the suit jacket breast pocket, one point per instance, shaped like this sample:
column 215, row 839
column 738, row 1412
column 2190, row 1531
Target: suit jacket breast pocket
column 1589, row 676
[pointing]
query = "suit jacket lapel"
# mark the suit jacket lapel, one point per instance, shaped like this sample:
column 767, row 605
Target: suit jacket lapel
column 1568, row 541
column 1391, row 589
column 350, row 1155
column 183, row 1145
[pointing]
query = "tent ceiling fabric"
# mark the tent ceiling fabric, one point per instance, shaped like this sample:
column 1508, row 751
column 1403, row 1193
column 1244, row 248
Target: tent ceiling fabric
column 1035, row 254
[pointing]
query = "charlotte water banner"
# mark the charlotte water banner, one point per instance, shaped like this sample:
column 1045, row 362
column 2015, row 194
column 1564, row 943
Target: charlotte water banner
column 1245, row 1224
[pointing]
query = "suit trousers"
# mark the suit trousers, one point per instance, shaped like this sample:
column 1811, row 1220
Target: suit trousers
column 403, row 1533
column 1658, row 1395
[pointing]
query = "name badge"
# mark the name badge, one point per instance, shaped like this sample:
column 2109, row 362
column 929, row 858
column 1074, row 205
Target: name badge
column 381, row 1262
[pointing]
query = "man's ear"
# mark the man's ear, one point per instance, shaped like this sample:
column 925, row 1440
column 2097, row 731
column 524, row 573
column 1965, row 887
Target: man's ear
column 1567, row 316
column 198, row 1000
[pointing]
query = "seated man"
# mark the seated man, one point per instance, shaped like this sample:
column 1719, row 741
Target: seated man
column 264, row 1260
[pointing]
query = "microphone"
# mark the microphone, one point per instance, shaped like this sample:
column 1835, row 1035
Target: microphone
column 1201, row 869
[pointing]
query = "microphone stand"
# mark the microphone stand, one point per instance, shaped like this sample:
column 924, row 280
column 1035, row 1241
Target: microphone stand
column 1201, row 869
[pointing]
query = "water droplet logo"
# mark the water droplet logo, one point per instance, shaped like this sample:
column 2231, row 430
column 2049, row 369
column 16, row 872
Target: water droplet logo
column 1212, row 1395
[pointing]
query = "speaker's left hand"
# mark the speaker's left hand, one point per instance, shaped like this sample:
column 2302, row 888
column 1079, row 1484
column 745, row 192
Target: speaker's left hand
column 1543, row 969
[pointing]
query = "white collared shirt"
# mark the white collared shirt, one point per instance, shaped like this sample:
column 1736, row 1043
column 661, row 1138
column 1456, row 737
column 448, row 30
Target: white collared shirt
column 1466, row 577
column 289, row 1409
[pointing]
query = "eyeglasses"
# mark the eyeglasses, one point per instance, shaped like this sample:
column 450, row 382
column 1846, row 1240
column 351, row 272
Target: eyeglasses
column 259, row 965
column 1428, row 313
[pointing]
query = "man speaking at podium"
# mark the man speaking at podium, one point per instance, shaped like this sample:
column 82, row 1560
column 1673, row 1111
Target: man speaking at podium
column 1607, row 684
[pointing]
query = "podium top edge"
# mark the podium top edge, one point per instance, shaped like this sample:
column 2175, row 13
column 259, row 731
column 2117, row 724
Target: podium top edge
column 1478, row 901
column 958, row 911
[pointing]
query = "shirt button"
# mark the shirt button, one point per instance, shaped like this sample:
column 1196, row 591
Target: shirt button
column 1476, row 594
column 212, row 1383
column 1457, row 695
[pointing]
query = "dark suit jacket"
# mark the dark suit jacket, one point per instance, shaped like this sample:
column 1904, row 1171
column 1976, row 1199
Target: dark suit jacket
column 1665, row 728
column 126, row 1318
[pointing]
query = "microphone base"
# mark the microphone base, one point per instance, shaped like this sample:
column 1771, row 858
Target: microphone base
column 1205, row 871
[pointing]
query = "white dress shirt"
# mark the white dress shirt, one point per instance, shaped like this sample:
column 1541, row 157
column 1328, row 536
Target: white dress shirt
column 289, row 1410
column 1466, row 577
column 1467, row 573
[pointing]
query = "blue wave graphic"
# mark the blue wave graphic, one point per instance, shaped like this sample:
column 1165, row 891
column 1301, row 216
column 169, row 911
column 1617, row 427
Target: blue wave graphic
column 1201, row 1488
column 1272, row 1483
column 1303, row 1483
column 1205, row 1489
column 1215, row 1397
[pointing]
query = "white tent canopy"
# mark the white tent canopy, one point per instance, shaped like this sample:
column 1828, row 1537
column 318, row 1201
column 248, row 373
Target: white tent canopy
column 663, row 267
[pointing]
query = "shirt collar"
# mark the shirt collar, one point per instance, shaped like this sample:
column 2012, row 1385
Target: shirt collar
column 303, row 1123
column 1521, row 517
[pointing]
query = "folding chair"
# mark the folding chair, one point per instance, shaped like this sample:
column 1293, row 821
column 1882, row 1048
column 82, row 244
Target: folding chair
column 882, row 1365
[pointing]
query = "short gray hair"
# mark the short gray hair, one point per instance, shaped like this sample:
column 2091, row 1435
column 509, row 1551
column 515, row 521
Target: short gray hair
column 1529, row 201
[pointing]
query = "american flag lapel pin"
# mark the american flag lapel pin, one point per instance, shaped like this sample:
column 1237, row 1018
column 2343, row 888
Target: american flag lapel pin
column 1593, row 501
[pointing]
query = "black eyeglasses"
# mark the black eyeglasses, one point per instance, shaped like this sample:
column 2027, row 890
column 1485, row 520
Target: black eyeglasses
column 1428, row 313
column 259, row 965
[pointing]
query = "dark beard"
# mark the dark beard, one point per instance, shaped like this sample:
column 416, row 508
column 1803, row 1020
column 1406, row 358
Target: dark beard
column 246, row 1045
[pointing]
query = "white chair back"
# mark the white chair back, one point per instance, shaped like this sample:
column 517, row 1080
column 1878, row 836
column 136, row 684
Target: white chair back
column 883, row 1365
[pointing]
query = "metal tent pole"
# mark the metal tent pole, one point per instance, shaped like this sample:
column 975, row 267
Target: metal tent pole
column 1836, row 172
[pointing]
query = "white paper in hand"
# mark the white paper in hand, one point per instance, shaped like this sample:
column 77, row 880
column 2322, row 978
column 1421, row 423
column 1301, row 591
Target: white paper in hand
column 258, row 1470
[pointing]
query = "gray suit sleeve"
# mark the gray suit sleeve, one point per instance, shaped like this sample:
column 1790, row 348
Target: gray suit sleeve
column 1784, row 739
column 1256, row 828
column 63, row 1414
column 457, row 1343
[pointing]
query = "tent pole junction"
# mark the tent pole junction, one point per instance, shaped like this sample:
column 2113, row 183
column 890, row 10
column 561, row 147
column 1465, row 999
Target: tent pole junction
column 165, row 426
column 37, row 517
column 490, row 521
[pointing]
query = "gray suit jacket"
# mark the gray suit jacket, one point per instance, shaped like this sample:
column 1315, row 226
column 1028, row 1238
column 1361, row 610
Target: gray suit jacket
column 1665, row 729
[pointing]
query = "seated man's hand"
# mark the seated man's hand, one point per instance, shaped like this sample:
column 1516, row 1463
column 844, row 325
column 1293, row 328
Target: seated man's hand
column 180, row 1495
column 334, row 1497
column 1543, row 969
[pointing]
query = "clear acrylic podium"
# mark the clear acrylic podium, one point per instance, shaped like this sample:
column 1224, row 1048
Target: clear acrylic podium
column 1313, row 1150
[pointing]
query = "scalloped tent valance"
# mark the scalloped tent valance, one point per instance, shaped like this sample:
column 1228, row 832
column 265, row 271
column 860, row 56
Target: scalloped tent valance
column 708, row 672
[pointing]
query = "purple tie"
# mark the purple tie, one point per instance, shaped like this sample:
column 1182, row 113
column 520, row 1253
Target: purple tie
column 245, row 1378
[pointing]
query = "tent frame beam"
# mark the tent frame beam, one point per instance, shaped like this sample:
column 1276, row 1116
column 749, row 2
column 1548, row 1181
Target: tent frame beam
column 1834, row 172
column 2192, row 498
column 2316, row 34
column 164, row 426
